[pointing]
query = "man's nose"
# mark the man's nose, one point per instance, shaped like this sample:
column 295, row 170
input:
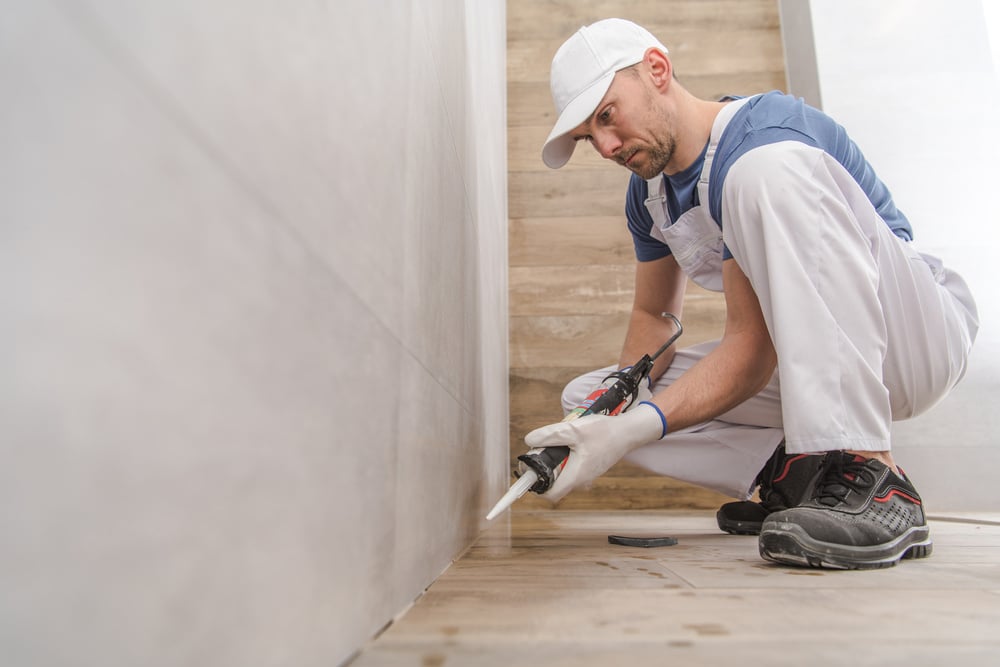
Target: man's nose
column 607, row 144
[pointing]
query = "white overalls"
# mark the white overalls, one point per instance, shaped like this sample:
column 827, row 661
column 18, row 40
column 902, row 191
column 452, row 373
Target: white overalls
column 866, row 329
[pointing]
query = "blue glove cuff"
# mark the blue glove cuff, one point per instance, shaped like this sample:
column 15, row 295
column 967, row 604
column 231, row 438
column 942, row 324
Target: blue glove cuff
column 659, row 412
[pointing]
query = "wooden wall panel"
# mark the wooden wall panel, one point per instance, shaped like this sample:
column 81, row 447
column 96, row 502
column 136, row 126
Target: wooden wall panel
column 571, row 257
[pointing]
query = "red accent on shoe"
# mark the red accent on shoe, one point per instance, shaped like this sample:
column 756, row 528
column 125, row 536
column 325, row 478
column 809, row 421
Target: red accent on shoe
column 897, row 492
column 788, row 466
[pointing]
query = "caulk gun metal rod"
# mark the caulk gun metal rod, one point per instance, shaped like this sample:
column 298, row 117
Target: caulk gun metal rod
column 670, row 341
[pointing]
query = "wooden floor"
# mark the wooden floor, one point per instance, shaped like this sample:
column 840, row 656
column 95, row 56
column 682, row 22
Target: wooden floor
column 571, row 257
column 544, row 588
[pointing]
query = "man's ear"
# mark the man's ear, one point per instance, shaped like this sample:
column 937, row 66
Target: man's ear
column 660, row 68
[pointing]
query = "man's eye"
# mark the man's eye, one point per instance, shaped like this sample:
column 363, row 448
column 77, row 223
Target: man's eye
column 605, row 115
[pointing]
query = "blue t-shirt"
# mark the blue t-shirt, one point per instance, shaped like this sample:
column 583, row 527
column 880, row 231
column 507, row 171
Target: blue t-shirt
column 766, row 119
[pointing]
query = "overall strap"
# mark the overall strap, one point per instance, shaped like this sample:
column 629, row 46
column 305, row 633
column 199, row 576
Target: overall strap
column 718, row 127
column 655, row 187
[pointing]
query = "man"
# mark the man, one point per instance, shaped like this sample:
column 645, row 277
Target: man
column 834, row 327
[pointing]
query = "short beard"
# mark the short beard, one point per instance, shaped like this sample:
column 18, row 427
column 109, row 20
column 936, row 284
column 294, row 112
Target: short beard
column 661, row 151
column 658, row 157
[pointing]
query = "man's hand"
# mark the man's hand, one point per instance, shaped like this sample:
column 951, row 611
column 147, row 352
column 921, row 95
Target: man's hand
column 596, row 443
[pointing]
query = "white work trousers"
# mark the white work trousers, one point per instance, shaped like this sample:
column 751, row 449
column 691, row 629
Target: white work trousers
column 867, row 330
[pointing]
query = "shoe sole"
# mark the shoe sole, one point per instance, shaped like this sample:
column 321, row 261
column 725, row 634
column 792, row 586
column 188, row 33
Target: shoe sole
column 736, row 527
column 787, row 543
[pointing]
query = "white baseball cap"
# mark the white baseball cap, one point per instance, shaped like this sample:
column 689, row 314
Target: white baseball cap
column 582, row 71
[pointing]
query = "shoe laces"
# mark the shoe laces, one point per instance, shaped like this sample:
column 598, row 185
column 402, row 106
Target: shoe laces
column 841, row 475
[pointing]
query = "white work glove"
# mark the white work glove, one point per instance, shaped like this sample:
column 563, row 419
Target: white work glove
column 596, row 443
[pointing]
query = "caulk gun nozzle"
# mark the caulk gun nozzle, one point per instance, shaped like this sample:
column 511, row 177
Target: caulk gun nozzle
column 517, row 489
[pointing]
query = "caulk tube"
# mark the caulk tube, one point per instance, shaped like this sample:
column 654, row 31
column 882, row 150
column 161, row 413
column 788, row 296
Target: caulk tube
column 518, row 489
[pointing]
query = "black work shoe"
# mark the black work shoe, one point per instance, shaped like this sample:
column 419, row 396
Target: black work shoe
column 785, row 481
column 861, row 515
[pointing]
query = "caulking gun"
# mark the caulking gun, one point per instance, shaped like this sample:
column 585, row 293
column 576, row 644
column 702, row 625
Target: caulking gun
column 539, row 468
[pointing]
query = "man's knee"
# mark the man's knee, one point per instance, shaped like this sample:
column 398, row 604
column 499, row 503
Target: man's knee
column 580, row 387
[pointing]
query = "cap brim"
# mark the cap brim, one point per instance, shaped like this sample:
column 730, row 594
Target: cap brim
column 559, row 146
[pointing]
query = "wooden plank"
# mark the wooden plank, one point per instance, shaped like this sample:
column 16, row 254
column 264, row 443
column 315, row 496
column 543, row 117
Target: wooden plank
column 590, row 341
column 528, row 19
column 570, row 241
column 595, row 340
column 694, row 52
column 598, row 289
column 535, row 394
column 566, row 193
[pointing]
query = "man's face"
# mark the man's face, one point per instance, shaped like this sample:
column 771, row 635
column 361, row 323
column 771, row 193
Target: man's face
column 629, row 126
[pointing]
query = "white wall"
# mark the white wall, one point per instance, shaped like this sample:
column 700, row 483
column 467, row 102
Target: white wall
column 253, row 373
column 916, row 85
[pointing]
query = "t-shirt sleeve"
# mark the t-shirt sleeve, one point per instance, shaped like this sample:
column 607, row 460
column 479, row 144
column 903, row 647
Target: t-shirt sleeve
column 774, row 118
column 640, row 223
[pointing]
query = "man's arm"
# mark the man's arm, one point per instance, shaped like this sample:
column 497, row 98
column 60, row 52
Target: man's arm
column 659, row 288
column 737, row 369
